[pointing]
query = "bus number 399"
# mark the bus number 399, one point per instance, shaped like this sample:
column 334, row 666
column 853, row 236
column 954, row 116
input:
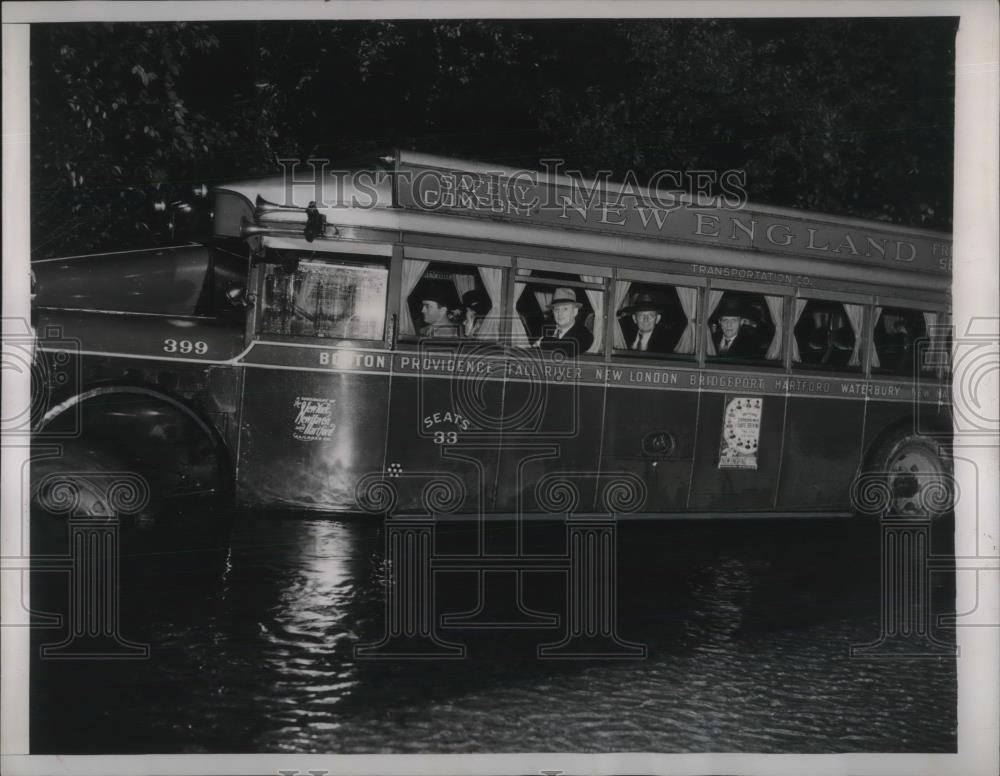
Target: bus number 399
column 185, row 346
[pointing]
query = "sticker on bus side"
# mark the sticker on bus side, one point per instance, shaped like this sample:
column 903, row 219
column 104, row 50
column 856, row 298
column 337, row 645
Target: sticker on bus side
column 740, row 433
column 313, row 419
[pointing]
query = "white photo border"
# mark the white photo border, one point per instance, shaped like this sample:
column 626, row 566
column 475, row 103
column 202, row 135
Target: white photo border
column 975, row 297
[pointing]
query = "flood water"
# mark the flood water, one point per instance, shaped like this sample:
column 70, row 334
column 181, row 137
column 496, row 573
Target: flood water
column 747, row 628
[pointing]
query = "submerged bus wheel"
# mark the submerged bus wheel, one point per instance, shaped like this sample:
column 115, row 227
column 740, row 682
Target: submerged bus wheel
column 915, row 476
column 139, row 458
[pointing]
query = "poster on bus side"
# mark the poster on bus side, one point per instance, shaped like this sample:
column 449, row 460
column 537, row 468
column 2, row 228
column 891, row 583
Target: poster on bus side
column 740, row 433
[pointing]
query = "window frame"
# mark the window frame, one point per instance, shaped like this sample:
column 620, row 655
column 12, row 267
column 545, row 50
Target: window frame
column 787, row 293
column 565, row 267
column 446, row 256
column 255, row 323
column 842, row 297
column 902, row 303
column 627, row 275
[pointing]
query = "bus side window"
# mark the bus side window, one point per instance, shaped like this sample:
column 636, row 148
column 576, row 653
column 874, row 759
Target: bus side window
column 655, row 318
column 827, row 334
column 744, row 326
column 451, row 300
column 900, row 340
column 310, row 297
column 560, row 311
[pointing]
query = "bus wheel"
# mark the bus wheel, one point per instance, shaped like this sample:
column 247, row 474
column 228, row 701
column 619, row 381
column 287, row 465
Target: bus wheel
column 156, row 533
column 916, row 472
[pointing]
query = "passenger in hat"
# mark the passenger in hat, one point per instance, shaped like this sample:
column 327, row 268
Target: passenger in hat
column 650, row 337
column 477, row 306
column 568, row 335
column 732, row 337
column 434, row 309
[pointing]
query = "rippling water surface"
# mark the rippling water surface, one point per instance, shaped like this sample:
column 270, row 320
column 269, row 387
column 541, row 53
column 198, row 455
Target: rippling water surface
column 747, row 627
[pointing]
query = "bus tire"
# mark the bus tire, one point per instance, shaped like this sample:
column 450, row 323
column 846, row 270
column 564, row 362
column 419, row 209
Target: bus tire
column 147, row 463
column 155, row 537
column 909, row 475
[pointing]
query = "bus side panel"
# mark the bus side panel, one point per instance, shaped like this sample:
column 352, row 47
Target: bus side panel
column 552, row 463
column 823, row 448
column 631, row 415
column 713, row 488
column 438, row 458
column 306, row 438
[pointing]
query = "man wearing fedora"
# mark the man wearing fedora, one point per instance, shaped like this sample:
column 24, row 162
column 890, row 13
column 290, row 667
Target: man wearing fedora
column 650, row 337
column 434, row 309
column 732, row 338
column 569, row 335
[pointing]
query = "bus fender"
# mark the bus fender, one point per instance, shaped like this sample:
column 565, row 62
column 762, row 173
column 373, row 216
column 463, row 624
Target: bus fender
column 140, row 429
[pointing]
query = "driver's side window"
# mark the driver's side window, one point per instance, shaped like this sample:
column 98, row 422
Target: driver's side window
column 316, row 295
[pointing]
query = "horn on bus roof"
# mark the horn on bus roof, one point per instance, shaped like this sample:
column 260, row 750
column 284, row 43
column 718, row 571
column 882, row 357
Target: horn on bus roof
column 316, row 223
column 263, row 206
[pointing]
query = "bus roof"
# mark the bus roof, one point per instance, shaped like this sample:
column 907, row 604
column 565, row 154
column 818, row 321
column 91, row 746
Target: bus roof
column 555, row 199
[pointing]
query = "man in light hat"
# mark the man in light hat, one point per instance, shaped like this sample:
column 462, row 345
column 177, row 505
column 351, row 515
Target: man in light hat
column 732, row 338
column 568, row 335
column 650, row 337
column 434, row 309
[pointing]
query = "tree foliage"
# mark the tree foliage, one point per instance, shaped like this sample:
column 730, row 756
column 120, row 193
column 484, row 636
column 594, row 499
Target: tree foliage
column 853, row 117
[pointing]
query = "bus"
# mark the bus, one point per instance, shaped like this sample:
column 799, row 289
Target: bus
column 426, row 335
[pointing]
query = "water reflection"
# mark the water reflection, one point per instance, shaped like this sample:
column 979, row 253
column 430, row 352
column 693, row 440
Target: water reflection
column 747, row 628
column 312, row 603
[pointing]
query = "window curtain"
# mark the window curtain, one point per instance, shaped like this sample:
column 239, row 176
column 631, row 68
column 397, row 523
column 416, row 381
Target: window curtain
column 714, row 297
column 800, row 307
column 544, row 299
column 933, row 335
column 493, row 283
column 856, row 317
column 413, row 270
column 596, row 298
column 463, row 283
column 944, row 340
column 775, row 306
column 520, row 330
column 621, row 292
column 689, row 303
column 856, row 357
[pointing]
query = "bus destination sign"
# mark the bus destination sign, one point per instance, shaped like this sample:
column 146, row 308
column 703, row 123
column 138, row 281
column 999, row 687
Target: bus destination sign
column 527, row 197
